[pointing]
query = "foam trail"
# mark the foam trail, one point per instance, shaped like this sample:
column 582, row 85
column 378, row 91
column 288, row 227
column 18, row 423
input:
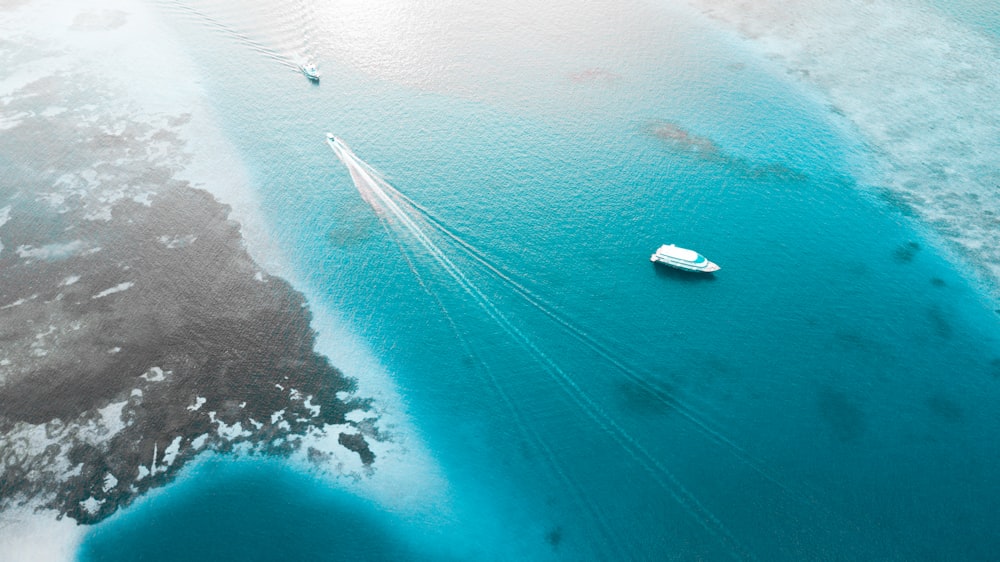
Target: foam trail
column 686, row 411
column 367, row 179
column 526, row 429
column 532, row 436
column 241, row 37
column 637, row 376
column 360, row 171
column 306, row 25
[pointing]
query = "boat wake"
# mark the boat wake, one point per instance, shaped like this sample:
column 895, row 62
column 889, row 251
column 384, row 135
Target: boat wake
column 402, row 217
column 294, row 52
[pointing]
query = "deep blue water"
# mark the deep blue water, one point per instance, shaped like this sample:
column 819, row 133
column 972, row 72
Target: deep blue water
column 253, row 511
column 830, row 394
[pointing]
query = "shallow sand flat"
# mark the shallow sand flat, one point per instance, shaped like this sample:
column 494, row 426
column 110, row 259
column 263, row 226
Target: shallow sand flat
column 923, row 91
column 33, row 535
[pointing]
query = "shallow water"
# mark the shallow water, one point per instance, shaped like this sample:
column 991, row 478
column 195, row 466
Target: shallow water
column 828, row 394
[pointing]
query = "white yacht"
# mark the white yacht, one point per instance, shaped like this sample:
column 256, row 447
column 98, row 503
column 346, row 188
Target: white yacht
column 310, row 70
column 682, row 258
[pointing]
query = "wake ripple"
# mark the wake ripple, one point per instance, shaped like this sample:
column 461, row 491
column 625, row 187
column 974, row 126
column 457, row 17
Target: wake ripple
column 376, row 192
column 290, row 29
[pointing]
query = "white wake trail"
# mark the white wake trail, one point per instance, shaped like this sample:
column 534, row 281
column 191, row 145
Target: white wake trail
column 242, row 38
column 686, row 411
column 370, row 185
column 368, row 180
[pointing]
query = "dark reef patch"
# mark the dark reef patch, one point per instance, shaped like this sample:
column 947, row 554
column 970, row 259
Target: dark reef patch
column 136, row 329
column 851, row 339
column 352, row 231
column 845, row 418
column 643, row 399
column 679, row 140
column 945, row 408
column 554, row 537
column 905, row 253
column 356, row 442
column 995, row 367
column 682, row 140
column 940, row 323
column 899, row 201
column 856, row 342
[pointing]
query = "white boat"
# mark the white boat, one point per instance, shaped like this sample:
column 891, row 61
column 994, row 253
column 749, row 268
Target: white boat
column 310, row 70
column 682, row 258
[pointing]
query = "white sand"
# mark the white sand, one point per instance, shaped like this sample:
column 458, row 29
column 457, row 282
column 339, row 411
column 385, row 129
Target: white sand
column 31, row 534
column 27, row 536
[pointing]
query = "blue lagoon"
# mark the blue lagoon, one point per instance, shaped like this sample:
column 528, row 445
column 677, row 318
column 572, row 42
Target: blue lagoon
column 463, row 351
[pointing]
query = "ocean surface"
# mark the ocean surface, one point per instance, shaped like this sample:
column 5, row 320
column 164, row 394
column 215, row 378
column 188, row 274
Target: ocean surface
column 829, row 394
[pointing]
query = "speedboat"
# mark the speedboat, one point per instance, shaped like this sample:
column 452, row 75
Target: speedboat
column 682, row 258
column 310, row 70
column 334, row 140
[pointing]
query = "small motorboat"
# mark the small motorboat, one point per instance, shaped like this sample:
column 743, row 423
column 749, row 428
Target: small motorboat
column 310, row 70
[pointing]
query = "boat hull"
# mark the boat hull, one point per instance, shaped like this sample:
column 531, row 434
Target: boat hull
column 708, row 268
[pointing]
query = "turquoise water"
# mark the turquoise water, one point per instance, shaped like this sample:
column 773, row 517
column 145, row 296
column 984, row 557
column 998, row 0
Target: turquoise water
column 224, row 510
column 828, row 395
